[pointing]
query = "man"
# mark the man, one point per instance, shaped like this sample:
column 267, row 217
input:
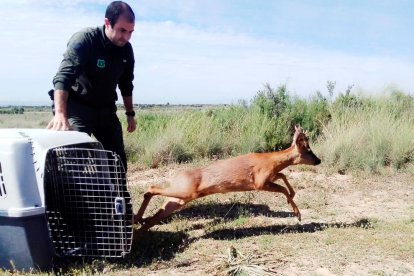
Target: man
column 96, row 61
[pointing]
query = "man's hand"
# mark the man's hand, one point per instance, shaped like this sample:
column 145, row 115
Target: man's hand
column 132, row 124
column 59, row 122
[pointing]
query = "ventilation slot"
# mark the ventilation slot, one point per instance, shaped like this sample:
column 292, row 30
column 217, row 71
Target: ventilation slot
column 3, row 192
column 88, row 205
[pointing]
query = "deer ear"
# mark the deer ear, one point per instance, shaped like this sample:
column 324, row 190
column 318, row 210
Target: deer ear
column 298, row 128
column 300, row 140
column 296, row 135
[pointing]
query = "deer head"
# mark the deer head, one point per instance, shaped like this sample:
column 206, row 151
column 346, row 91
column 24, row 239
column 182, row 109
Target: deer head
column 301, row 144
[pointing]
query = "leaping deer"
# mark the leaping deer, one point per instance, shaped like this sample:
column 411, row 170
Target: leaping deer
column 254, row 171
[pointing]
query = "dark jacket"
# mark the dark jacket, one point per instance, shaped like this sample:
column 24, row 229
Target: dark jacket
column 92, row 67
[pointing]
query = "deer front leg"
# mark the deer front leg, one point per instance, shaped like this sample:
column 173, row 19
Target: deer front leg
column 284, row 178
column 273, row 187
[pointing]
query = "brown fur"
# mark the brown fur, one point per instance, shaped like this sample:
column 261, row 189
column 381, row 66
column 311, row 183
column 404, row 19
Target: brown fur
column 254, row 171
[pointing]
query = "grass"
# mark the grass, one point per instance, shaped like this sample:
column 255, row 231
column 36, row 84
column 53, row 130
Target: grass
column 251, row 233
column 351, row 133
column 269, row 248
column 195, row 134
column 34, row 119
column 368, row 139
column 248, row 233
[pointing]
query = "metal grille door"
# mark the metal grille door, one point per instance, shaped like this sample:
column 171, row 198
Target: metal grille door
column 88, row 206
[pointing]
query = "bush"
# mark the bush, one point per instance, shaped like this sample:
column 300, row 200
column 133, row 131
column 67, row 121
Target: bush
column 370, row 135
column 286, row 111
column 166, row 136
column 353, row 133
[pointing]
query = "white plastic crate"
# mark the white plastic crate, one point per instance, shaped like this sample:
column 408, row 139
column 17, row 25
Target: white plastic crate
column 62, row 195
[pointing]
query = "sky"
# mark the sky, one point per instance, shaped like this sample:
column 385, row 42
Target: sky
column 220, row 51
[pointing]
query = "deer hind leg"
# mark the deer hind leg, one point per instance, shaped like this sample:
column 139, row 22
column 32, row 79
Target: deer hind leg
column 273, row 187
column 156, row 190
column 169, row 207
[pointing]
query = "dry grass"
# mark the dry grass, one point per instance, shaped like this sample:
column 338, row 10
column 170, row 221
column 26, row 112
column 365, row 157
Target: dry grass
column 26, row 120
column 351, row 225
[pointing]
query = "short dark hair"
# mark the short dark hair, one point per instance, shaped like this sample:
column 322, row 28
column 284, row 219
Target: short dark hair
column 118, row 8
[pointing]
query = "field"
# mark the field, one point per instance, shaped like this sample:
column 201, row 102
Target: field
column 357, row 206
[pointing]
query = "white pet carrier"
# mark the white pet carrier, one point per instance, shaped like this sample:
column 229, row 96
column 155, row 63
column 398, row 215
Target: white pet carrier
column 61, row 195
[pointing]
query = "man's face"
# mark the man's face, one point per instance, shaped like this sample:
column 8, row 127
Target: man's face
column 121, row 32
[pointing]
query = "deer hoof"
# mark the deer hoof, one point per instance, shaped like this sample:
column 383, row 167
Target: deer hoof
column 143, row 221
column 138, row 220
column 299, row 216
column 297, row 213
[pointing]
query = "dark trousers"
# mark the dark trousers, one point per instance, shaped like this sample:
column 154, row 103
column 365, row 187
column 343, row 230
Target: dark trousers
column 102, row 123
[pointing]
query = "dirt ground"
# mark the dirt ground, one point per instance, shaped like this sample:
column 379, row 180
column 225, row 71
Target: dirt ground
column 351, row 225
